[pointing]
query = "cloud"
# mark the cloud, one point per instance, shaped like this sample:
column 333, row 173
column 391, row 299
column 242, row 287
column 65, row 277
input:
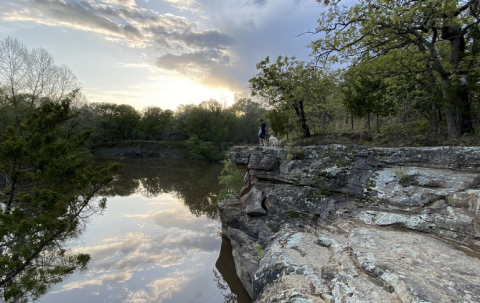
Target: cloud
column 162, row 289
column 125, row 3
column 116, row 259
column 115, row 19
column 259, row 3
column 183, row 47
column 197, row 62
column 215, row 43
column 186, row 5
column 213, row 68
column 99, row 280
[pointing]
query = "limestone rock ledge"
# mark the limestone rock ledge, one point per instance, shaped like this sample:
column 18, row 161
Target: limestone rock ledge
column 345, row 224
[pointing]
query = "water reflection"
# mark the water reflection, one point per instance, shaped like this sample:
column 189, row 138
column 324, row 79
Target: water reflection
column 157, row 242
column 195, row 183
column 226, row 278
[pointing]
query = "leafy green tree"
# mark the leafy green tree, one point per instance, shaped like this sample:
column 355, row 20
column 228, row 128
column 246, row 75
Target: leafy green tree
column 210, row 121
column 247, row 114
column 116, row 121
column 50, row 187
column 281, row 122
column 288, row 83
column 440, row 31
column 155, row 123
column 366, row 95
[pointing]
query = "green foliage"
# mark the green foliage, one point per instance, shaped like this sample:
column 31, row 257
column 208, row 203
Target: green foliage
column 259, row 251
column 247, row 114
column 417, row 132
column 343, row 163
column 155, row 123
column 323, row 188
column 200, row 150
column 50, row 187
column 365, row 95
column 115, row 121
column 434, row 45
column 232, row 178
column 290, row 84
column 405, row 179
column 293, row 214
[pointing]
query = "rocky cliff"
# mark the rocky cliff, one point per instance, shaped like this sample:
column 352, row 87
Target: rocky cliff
column 342, row 224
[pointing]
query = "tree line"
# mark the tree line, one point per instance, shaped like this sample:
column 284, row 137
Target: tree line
column 209, row 121
column 409, row 67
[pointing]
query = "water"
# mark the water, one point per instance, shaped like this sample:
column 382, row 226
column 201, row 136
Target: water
column 157, row 241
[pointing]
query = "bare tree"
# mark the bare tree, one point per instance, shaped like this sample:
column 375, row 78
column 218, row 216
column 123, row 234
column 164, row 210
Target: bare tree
column 30, row 76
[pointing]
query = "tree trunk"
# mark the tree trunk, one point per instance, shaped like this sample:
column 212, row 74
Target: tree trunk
column 464, row 110
column 8, row 206
column 432, row 86
column 368, row 121
column 303, row 120
column 451, row 126
column 456, row 36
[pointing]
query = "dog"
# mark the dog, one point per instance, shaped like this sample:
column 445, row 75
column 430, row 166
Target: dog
column 272, row 141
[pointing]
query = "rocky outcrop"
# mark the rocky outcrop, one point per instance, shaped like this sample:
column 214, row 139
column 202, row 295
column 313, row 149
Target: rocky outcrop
column 343, row 224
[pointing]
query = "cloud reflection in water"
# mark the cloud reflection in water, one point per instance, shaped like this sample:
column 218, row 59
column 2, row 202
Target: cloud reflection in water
column 151, row 247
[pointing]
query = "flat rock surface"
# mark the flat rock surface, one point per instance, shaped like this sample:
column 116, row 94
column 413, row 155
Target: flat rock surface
column 366, row 265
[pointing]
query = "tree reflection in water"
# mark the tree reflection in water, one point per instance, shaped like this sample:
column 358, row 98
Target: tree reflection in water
column 195, row 183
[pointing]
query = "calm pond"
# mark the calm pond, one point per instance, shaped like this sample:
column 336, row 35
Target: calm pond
column 157, row 241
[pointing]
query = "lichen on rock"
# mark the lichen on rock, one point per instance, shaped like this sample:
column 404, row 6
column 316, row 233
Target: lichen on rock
column 357, row 225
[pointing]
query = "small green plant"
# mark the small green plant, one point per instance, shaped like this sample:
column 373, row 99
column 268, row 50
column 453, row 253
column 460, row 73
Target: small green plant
column 348, row 193
column 323, row 188
column 232, row 178
column 320, row 181
column 342, row 163
column 293, row 214
column 297, row 182
column 405, row 179
column 259, row 250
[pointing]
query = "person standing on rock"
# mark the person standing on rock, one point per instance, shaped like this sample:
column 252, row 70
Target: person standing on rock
column 262, row 132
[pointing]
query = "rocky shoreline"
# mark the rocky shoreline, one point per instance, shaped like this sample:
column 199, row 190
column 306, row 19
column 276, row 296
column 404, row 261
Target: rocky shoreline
column 346, row 224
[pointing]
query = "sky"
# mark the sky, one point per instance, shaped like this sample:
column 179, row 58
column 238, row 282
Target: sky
column 162, row 52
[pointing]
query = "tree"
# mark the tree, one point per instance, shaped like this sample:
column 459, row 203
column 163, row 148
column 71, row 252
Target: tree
column 247, row 113
column 117, row 121
column 155, row 122
column 51, row 184
column 281, row 121
column 288, row 83
column 32, row 75
column 365, row 95
column 443, row 32
column 210, row 121
column 29, row 78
